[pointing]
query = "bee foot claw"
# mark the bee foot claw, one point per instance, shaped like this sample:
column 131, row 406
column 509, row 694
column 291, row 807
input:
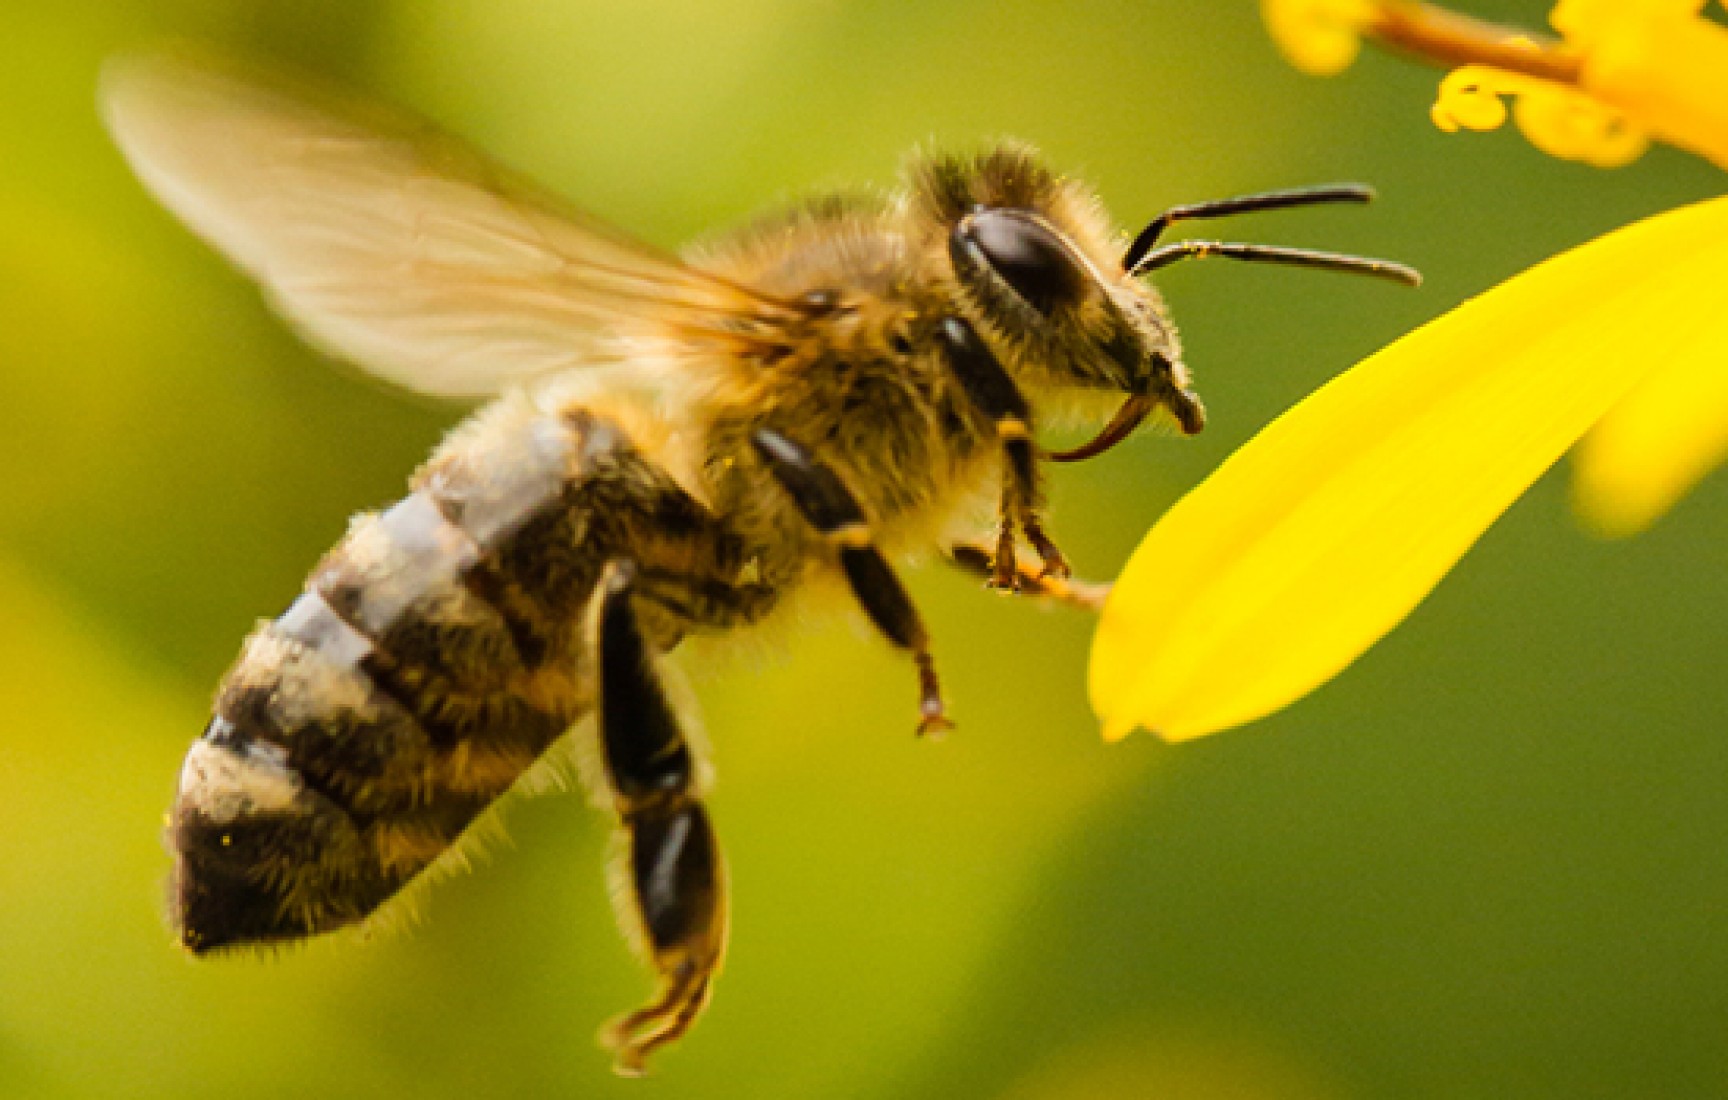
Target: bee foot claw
column 935, row 725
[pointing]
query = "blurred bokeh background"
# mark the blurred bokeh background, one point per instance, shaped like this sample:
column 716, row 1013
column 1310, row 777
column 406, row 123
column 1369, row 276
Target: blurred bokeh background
column 1489, row 861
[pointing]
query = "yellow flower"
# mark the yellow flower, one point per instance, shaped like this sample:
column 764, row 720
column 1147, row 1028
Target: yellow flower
column 1326, row 530
column 1622, row 71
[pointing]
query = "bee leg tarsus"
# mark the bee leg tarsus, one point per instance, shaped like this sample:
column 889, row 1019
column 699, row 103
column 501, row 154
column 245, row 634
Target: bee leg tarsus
column 636, row 1035
column 1005, row 565
column 1055, row 562
column 829, row 507
column 980, row 561
column 1085, row 595
column 933, row 718
column 674, row 894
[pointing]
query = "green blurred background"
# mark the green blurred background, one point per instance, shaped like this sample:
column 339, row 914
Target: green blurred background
column 1491, row 860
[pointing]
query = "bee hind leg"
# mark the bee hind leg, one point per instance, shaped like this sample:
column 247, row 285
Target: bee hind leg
column 674, row 891
column 834, row 512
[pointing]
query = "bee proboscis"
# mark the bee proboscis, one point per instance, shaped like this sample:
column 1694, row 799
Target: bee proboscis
column 675, row 446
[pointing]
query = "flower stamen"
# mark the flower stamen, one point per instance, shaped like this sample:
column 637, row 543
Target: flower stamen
column 1560, row 121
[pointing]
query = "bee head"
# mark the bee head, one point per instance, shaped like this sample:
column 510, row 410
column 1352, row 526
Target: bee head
column 1094, row 329
column 1038, row 275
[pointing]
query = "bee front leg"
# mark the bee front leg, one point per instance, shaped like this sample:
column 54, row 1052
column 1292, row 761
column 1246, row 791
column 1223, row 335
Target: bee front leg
column 978, row 560
column 835, row 513
column 988, row 386
column 1023, row 499
column 675, row 894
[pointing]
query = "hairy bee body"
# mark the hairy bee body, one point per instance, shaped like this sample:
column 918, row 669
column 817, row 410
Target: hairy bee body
column 437, row 650
column 422, row 670
column 681, row 444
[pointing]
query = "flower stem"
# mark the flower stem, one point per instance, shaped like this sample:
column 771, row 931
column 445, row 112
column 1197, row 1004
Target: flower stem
column 1448, row 39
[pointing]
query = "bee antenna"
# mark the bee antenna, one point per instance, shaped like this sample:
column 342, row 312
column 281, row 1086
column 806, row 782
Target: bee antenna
column 1241, row 204
column 1389, row 270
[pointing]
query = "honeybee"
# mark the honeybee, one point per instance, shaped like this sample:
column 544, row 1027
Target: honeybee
column 675, row 446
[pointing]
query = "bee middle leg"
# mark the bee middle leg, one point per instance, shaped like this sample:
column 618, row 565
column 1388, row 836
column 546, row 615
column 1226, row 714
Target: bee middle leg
column 834, row 512
column 676, row 893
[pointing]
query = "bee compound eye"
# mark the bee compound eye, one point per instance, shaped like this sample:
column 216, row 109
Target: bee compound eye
column 1027, row 254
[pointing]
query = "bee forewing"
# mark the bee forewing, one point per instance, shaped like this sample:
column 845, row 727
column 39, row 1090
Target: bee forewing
column 386, row 242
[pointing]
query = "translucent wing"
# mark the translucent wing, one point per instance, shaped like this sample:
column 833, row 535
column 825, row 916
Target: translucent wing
column 392, row 245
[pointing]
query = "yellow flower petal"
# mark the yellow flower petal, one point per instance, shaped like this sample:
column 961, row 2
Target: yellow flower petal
column 1320, row 37
column 1670, row 74
column 1322, row 533
column 1663, row 437
column 1587, row 22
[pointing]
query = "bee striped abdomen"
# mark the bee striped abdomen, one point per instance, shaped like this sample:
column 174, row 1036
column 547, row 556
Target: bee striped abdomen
column 430, row 661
